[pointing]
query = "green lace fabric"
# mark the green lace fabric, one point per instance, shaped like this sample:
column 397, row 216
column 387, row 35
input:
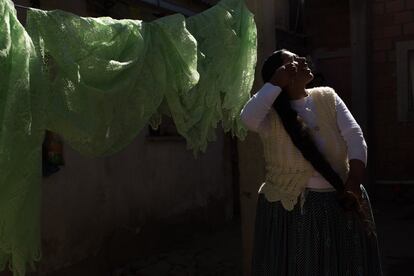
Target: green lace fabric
column 108, row 78
column 21, row 134
column 98, row 81
column 226, row 37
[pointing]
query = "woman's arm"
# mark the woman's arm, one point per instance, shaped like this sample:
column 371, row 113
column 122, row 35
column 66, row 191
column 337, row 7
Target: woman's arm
column 256, row 109
column 357, row 147
column 351, row 132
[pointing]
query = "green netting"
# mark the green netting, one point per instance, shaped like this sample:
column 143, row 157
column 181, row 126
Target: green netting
column 21, row 134
column 226, row 37
column 98, row 82
column 108, row 77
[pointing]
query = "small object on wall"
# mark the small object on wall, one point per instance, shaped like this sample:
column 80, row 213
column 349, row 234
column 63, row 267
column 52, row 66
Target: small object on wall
column 52, row 153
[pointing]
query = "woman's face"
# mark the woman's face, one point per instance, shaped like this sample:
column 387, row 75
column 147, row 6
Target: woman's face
column 304, row 74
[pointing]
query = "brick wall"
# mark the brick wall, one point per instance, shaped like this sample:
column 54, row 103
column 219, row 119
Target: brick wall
column 390, row 21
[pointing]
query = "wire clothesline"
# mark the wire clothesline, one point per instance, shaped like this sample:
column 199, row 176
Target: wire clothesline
column 158, row 3
column 22, row 7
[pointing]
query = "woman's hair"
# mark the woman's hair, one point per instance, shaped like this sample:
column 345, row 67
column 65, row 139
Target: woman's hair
column 296, row 128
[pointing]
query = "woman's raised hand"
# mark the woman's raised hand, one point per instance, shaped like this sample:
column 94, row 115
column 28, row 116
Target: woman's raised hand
column 284, row 75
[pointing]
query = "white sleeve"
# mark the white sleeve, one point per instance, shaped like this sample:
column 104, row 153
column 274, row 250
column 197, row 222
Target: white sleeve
column 351, row 132
column 256, row 109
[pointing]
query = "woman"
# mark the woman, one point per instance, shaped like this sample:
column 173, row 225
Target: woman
column 313, row 217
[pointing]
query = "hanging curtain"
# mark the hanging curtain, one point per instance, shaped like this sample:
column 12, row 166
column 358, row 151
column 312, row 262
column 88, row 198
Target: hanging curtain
column 21, row 135
column 97, row 82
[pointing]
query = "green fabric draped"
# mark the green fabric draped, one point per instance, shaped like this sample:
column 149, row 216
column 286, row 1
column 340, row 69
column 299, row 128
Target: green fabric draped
column 21, row 135
column 108, row 77
column 226, row 37
column 98, row 82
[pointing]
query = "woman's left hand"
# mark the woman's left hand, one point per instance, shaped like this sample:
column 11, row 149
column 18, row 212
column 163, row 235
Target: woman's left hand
column 355, row 177
column 353, row 186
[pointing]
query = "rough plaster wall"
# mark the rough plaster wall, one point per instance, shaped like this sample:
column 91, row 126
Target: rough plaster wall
column 149, row 181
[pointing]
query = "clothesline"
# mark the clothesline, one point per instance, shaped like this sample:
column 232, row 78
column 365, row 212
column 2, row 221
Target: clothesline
column 167, row 6
column 22, row 7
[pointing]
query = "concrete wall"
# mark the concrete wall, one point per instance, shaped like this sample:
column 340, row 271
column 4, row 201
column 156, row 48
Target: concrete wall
column 90, row 201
